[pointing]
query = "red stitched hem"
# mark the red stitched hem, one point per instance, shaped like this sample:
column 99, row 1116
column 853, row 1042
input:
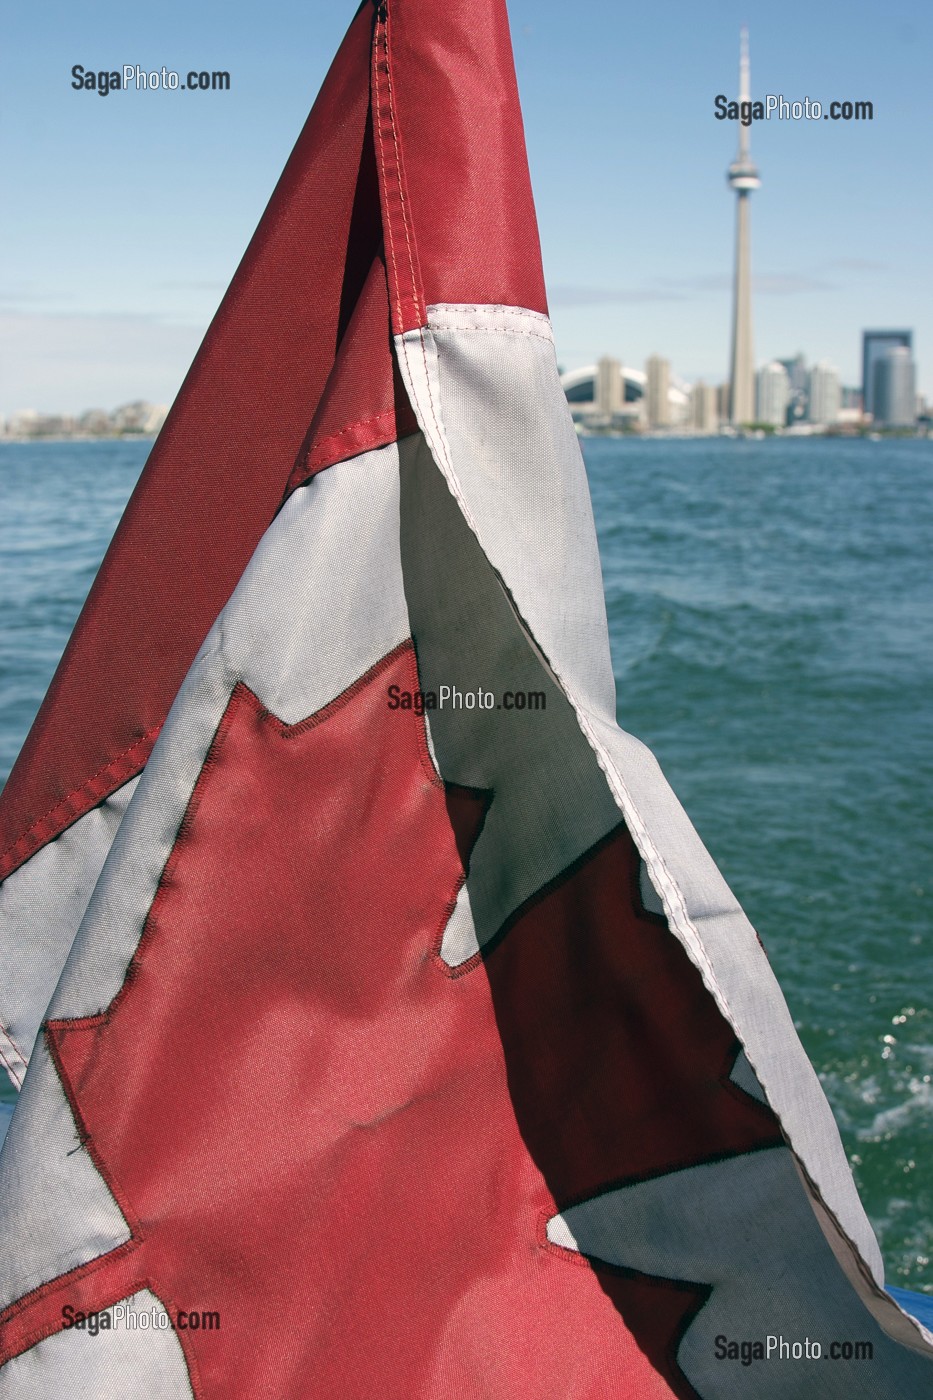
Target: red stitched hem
column 406, row 297
column 77, row 803
column 350, row 441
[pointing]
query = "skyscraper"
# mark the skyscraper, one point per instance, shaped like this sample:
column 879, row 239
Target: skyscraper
column 657, row 391
column 797, row 372
column 773, row 395
column 799, row 377
column 825, row 396
column 743, row 178
column 894, row 393
column 704, row 409
column 874, row 345
column 609, row 388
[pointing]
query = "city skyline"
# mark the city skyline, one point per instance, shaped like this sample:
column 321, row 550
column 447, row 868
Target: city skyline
column 788, row 394
column 128, row 216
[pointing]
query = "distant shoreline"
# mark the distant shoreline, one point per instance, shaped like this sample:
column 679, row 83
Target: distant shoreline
column 78, row 437
column 863, row 435
column 140, row 419
column 920, row 434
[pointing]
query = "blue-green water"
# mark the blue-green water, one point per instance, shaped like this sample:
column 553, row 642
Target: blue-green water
column 771, row 613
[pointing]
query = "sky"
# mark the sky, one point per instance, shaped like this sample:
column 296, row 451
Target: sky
column 124, row 217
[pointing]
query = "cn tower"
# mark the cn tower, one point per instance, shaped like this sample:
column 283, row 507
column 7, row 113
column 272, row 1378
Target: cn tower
column 743, row 178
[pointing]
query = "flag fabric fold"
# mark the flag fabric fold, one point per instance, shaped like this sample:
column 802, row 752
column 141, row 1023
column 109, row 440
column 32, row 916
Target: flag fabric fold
column 380, row 1022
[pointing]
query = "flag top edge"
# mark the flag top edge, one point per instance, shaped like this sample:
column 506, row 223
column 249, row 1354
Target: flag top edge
column 457, row 205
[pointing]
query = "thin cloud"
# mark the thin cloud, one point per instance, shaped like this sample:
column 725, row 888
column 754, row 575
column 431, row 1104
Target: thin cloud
column 765, row 284
column 190, row 286
column 65, row 363
column 28, row 297
column 852, row 265
column 815, row 279
column 40, row 315
column 789, row 284
column 602, row 296
column 701, row 282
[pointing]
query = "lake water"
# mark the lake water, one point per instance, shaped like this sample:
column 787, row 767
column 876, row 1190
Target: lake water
column 771, row 613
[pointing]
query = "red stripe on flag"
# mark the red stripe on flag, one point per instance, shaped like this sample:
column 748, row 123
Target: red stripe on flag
column 361, row 377
column 272, row 381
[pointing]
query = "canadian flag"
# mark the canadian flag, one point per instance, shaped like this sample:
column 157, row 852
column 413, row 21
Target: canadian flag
column 382, row 1027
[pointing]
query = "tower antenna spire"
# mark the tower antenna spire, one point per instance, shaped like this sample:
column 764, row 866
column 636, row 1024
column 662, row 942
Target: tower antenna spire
column 745, row 90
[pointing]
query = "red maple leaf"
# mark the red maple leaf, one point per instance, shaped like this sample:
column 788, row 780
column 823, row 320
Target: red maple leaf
column 316, row 1131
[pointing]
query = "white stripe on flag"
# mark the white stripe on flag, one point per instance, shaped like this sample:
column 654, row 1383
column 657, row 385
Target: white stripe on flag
column 486, row 390
column 714, row 1224
column 59, row 1211
column 41, row 905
